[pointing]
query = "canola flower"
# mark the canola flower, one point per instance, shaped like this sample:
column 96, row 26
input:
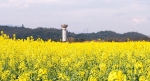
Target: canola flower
column 38, row 60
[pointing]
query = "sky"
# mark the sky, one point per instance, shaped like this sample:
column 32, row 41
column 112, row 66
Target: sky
column 82, row 16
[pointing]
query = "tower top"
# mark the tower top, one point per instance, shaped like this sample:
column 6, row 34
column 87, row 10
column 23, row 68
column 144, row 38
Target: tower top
column 64, row 26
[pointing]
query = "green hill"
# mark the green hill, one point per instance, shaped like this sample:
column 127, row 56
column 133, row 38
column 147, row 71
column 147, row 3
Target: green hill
column 56, row 34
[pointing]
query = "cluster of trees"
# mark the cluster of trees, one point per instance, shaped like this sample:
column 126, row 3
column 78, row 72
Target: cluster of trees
column 113, row 36
column 56, row 34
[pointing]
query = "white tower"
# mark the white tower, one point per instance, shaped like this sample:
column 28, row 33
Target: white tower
column 64, row 32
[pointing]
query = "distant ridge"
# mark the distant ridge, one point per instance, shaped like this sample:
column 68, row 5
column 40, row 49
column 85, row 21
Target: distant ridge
column 55, row 34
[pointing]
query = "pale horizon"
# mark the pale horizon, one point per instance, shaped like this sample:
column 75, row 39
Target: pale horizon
column 84, row 16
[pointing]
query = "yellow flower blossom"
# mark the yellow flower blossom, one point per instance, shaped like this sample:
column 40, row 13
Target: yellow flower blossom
column 33, row 60
column 116, row 75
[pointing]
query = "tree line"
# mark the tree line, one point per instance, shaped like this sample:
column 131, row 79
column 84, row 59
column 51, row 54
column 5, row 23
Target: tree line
column 56, row 34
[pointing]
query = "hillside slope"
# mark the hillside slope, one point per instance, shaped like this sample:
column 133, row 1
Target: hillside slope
column 55, row 34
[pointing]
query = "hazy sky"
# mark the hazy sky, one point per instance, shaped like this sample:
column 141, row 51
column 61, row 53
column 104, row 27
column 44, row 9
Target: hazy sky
column 81, row 15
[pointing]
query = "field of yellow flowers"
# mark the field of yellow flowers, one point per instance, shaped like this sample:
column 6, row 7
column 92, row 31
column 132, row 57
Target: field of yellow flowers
column 38, row 60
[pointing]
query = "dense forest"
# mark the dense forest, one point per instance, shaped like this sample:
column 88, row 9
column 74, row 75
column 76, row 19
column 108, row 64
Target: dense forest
column 56, row 34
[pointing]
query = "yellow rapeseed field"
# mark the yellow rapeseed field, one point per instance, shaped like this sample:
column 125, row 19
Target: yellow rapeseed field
column 38, row 60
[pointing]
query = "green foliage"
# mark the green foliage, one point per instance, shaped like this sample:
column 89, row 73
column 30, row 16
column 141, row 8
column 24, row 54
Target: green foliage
column 56, row 34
